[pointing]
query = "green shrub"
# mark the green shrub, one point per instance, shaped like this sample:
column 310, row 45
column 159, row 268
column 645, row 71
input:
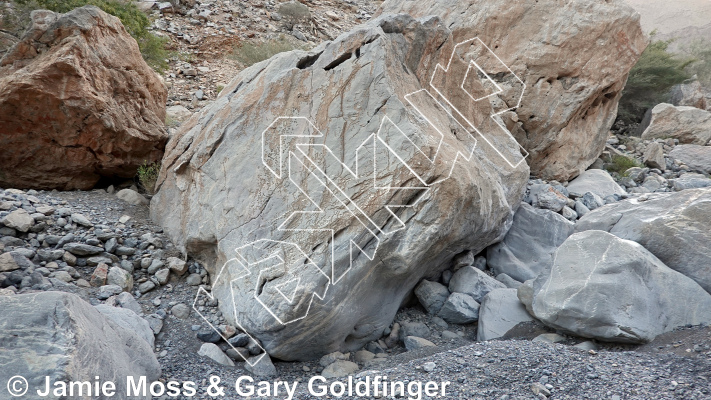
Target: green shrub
column 153, row 47
column 148, row 175
column 651, row 79
column 700, row 50
column 620, row 164
column 252, row 52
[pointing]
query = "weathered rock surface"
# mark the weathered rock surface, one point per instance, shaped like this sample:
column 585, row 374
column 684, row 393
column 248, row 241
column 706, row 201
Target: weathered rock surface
column 607, row 288
column 128, row 320
column 459, row 308
column 674, row 227
column 584, row 65
column 688, row 124
column 596, row 181
column 216, row 195
column 61, row 336
column 473, row 282
column 500, row 311
column 77, row 102
column 696, row 157
column 529, row 245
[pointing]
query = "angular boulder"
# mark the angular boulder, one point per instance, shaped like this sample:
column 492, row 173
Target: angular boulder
column 603, row 287
column 268, row 172
column 77, row 103
column 474, row 283
column 595, row 181
column 675, row 227
column 697, row 158
column 500, row 312
column 61, row 336
column 688, row 124
column 584, row 66
column 529, row 245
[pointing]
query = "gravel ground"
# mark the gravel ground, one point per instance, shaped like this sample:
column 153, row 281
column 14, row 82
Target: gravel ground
column 677, row 365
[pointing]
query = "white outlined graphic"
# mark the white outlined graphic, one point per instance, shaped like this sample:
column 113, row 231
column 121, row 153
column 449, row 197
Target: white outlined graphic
column 295, row 152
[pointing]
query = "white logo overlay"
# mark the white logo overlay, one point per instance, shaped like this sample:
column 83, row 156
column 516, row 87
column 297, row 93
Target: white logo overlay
column 281, row 164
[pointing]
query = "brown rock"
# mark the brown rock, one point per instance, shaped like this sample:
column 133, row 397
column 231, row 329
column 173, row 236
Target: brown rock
column 98, row 278
column 77, row 102
column 573, row 57
column 688, row 124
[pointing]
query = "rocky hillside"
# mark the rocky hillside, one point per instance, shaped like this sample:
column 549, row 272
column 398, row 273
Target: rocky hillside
column 423, row 198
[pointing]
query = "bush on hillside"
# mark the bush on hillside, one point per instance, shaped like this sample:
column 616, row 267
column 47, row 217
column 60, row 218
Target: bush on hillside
column 651, row 79
column 153, row 47
column 250, row 53
column 700, row 50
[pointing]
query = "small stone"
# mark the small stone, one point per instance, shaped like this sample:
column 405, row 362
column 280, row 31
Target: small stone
column 98, row 278
column 238, row 354
column 339, row 369
column 81, row 249
column 538, row 388
column 180, row 311
column 362, row 356
column 211, row 351
column 146, row 286
column 209, row 336
column 261, row 365
column 124, row 219
column 549, row 338
column 69, row 258
column 163, row 275
column 82, row 220
column 121, row 278
column 178, row 266
column 432, row 295
column 19, row 220
column 194, row 280
column 330, row 358
column 414, row 342
column 132, row 197
column 429, row 366
column 239, row 340
column 460, row 308
column 107, row 291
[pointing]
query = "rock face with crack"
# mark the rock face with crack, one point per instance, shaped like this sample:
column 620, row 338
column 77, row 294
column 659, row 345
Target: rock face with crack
column 77, row 102
column 298, row 222
column 60, row 335
column 674, row 227
column 603, row 287
column 577, row 52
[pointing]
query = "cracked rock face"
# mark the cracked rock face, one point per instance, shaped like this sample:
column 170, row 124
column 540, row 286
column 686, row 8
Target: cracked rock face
column 574, row 58
column 301, row 249
column 603, row 287
column 77, row 102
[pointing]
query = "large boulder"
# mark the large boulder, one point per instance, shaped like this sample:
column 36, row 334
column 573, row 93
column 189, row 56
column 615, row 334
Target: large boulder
column 529, row 245
column 603, row 287
column 697, row 158
column 688, row 124
column 60, row 336
column 500, row 312
column 675, row 227
column 576, row 52
column 77, row 102
column 280, row 222
column 597, row 181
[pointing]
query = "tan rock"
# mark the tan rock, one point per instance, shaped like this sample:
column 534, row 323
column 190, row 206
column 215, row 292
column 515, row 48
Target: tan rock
column 688, row 124
column 573, row 57
column 77, row 102
column 98, row 278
